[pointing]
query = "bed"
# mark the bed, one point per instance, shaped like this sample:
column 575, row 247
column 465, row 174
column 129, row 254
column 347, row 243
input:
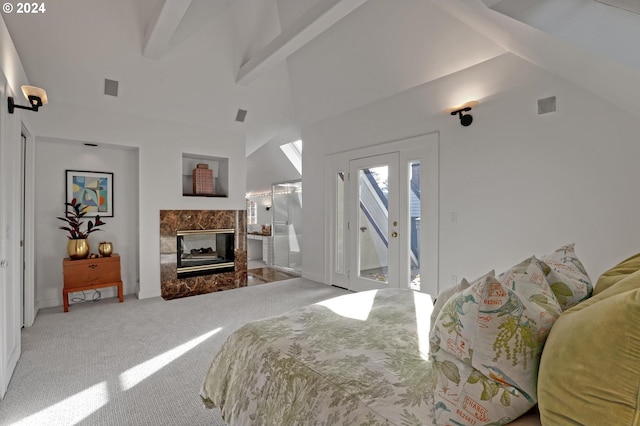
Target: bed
column 375, row 358
column 355, row 359
column 358, row 359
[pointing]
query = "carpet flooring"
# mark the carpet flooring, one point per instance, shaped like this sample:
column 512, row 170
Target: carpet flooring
column 140, row 362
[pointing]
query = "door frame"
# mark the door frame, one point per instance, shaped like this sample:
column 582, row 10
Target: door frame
column 29, row 225
column 425, row 146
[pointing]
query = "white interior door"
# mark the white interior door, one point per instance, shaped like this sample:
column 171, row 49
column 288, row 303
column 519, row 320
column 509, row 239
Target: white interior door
column 374, row 222
column 10, row 287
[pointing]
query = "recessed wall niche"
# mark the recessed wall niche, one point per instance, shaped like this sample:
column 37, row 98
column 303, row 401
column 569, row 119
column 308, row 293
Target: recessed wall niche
column 220, row 171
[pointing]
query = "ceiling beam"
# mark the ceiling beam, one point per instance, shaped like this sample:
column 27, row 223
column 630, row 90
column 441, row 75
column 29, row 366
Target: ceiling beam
column 576, row 64
column 322, row 15
column 161, row 31
column 630, row 5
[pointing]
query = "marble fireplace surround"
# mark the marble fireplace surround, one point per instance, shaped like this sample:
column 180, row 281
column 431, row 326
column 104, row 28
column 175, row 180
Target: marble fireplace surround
column 172, row 221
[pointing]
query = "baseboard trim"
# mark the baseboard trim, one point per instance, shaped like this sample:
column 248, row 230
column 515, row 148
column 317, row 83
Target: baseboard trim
column 48, row 303
column 148, row 294
column 105, row 293
column 314, row 277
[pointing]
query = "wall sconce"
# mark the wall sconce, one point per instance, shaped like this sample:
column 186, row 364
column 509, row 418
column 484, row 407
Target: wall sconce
column 36, row 96
column 465, row 119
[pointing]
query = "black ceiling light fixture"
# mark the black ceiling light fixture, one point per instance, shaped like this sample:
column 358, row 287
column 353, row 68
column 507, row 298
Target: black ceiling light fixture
column 465, row 119
column 36, row 96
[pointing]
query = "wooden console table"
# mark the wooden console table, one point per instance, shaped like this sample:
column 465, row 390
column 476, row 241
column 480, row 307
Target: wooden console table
column 91, row 274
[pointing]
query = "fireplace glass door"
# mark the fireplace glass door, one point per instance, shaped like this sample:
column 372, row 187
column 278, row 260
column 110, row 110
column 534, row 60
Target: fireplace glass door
column 204, row 252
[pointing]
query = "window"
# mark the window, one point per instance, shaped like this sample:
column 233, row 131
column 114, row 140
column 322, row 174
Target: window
column 293, row 151
column 252, row 213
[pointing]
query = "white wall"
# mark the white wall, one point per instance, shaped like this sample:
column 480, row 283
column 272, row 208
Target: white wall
column 269, row 165
column 160, row 147
column 520, row 183
column 381, row 48
column 53, row 157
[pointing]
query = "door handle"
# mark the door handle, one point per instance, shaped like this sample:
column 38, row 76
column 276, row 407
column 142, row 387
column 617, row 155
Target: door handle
column 394, row 234
column 363, row 228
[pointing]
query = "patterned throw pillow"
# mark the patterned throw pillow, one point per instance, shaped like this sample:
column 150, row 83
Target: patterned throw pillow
column 486, row 344
column 446, row 294
column 443, row 298
column 568, row 278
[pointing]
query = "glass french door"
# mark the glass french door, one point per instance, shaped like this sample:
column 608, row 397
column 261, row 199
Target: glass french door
column 374, row 222
column 382, row 214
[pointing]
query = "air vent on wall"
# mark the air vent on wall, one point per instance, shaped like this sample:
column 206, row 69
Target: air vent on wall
column 547, row 105
column 110, row 87
column 241, row 115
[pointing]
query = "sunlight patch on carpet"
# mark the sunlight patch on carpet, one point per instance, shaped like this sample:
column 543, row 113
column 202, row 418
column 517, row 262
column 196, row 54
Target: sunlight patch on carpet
column 71, row 410
column 137, row 374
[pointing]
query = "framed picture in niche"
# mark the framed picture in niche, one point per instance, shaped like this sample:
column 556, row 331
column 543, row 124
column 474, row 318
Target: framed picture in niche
column 94, row 190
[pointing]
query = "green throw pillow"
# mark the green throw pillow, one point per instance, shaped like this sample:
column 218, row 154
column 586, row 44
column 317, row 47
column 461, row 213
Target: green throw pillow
column 617, row 273
column 589, row 371
column 628, row 283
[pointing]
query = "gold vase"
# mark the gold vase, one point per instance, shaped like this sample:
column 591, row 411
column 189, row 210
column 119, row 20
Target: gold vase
column 105, row 248
column 78, row 249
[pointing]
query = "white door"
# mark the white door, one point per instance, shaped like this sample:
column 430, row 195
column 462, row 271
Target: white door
column 374, row 222
column 10, row 287
column 382, row 216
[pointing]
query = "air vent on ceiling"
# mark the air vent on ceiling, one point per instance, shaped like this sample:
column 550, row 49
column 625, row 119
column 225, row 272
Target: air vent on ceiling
column 241, row 115
column 110, row 87
column 547, row 105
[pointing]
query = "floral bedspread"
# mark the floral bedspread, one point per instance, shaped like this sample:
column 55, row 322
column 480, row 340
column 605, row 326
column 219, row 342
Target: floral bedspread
column 359, row 359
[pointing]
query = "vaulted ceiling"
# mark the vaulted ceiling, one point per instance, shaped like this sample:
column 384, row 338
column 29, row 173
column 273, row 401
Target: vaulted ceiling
column 291, row 63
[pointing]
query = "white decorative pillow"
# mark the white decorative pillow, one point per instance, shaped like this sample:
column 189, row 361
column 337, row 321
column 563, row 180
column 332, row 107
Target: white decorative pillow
column 447, row 293
column 567, row 276
column 486, row 346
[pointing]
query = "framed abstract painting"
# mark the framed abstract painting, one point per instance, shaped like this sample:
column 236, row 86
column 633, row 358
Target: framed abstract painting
column 94, row 190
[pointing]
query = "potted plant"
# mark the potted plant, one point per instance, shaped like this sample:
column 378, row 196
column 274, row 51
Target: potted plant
column 78, row 245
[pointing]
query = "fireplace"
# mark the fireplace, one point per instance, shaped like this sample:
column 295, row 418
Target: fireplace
column 199, row 278
column 205, row 252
